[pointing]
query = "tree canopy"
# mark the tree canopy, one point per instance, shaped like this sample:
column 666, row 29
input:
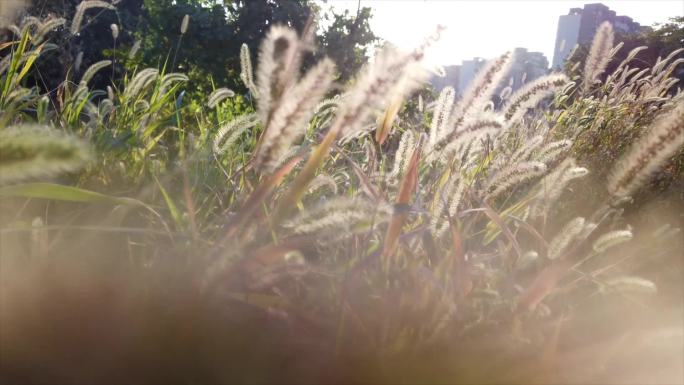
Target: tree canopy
column 661, row 40
column 209, row 51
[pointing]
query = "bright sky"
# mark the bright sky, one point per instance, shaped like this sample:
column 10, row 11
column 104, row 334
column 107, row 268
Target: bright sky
column 487, row 28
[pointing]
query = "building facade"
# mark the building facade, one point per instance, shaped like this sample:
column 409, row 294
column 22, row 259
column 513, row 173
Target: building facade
column 469, row 69
column 579, row 27
column 451, row 77
column 566, row 36
column 526, row 66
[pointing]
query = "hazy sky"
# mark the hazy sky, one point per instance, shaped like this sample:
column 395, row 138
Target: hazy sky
column 487, row 28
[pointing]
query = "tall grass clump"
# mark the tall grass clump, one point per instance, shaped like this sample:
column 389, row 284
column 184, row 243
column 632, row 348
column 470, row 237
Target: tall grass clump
column 321, row 237
column 609, row 112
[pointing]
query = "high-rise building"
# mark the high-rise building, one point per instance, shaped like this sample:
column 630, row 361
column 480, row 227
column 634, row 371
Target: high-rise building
column 526, row 66
column 469, row 68
column 450, row 78
column 566, row 36
column 579, row 27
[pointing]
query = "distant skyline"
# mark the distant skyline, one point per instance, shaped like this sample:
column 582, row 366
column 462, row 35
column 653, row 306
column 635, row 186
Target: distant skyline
column 487, row 28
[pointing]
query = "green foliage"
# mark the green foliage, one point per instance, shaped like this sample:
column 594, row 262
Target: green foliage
column 641, row 81
column 347, row 40
column 93, row 43
column 208, row 53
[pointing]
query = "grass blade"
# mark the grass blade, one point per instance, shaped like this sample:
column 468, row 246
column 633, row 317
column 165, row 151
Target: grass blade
column 64, row 193
column 260, row 194
column 408, row 185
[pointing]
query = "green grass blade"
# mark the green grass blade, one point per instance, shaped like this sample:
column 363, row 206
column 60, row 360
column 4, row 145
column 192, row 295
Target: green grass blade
column 175, row 214
column 64, row 193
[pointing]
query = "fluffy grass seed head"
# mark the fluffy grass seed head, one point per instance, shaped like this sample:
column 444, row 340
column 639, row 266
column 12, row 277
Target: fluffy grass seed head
column 246, row 73
column 185, row 24
column 450, row 145
column 320, row 181
column 407, row 145
column 505, row 93
column 511, row 177
column 630, row 56
column 664, row 138
column 588, row 229
column 219, row 95
column 93, row 69
column 230, row 132
column 339, row 216
column 553, row 151
column 440, row 117
column 32, row 151
column 78, row 60
column 660, row 65
column 82, row 8
column 481, row 89
column 47, row 27
column 29, row 22
column 390, row 74
column 447, row 203
column 140, row 81
column 168, row 80
column 278, row 68
column 134, row 49
column 565, row 236
column 599, row 55
column 631, row 284
column 523, row 153
column 531, row 94
column 611, row 239
column 553, row 185
column 526, row 259
column 289, row 120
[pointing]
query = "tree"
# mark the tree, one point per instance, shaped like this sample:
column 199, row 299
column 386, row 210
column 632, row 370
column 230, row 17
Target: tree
column 208, row 52
column 347, row 40
column 219, row 28
column 661, row 40
column 91, row 44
